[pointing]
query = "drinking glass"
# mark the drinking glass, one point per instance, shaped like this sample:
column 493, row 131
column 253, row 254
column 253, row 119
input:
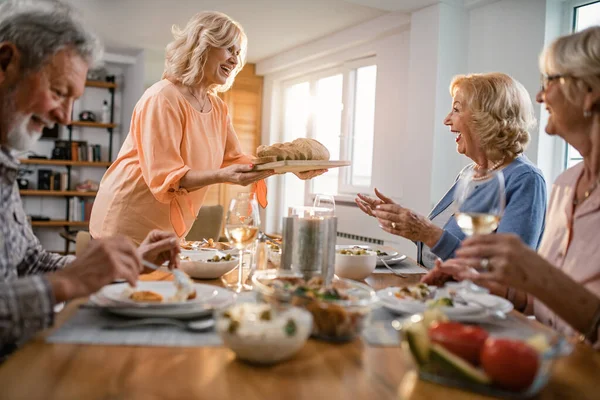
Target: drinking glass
column 241, row 228
column 325, row 201
column 479, row 199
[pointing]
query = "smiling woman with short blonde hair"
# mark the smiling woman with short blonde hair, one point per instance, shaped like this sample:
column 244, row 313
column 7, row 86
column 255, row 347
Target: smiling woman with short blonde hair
column 501, row 112
column 186, row 55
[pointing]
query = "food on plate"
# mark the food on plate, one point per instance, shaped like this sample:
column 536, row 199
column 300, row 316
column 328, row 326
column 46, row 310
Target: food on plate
column 146, row 296
column 381, row 253
column 184, row 257
column 184, row 288
column 416, row 292
column 299, row 149
column 440, row 302
column 218, row 258
column 512, row 364
column 205, row 244
column 339, row 311
column 264, row 333
column 465, row 341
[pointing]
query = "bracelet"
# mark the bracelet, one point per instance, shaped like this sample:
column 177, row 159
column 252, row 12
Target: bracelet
column 592, row 333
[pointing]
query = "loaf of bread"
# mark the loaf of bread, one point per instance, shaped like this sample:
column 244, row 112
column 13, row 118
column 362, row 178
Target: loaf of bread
column 299, row 149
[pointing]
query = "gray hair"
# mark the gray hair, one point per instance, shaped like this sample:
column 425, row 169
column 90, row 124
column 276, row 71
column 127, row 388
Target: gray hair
column 40, row 29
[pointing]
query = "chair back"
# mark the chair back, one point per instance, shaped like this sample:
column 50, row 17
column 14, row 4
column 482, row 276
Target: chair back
column 82, row 239
column 208, row 223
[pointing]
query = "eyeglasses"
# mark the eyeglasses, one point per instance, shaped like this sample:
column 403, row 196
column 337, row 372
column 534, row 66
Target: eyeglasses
column 545, row 79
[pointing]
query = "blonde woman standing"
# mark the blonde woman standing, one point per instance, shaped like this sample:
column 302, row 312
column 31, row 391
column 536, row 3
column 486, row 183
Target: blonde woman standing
column 181, row 138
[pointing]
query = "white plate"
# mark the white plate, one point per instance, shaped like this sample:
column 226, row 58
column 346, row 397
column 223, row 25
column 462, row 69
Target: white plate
column 391, row 261
column 461, row 312
column 223, row 299
column 119, row 293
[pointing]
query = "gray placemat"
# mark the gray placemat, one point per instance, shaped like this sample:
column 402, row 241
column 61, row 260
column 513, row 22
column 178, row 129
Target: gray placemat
column 380, row 331
column 86, row 327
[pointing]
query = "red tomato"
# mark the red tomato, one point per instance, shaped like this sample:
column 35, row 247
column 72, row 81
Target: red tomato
column 463, row 340
column 511, row 364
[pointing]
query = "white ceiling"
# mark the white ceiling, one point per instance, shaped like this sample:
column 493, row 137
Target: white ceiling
column 272, row 26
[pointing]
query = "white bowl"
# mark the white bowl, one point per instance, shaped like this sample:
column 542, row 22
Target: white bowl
column 200, row 268
column 356, row 267
column 259, row 341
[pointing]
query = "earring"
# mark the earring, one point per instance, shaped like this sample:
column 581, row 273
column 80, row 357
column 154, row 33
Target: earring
column 587, row 114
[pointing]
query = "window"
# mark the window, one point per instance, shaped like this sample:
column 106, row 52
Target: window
column 337, row 108
column 584, row 16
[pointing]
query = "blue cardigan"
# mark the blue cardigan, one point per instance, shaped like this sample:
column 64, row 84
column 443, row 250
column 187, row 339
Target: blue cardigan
column 524, row 213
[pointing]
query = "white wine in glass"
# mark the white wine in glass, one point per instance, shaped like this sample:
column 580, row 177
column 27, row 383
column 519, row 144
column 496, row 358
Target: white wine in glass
column 479, row 198
column 241, row 228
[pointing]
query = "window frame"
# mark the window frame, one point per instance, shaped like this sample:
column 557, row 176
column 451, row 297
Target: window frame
column 570, row 24
column 348, row 72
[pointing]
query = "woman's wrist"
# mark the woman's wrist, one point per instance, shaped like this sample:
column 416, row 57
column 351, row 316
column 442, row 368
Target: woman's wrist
column 432, row 235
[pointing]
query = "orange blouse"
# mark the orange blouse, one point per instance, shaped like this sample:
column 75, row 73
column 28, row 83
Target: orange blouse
column 168, row 137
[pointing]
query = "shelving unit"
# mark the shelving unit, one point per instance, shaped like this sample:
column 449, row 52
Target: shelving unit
column 69, row 164
column 59, row 223
column 57, row 193
column 42, row 161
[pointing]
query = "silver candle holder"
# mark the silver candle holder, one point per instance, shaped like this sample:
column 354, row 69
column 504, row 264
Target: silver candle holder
column 309, row 237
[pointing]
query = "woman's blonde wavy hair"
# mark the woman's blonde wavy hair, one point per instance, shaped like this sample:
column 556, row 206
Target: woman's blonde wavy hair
column 186, row 54
column 501, row 112
column 576, row 55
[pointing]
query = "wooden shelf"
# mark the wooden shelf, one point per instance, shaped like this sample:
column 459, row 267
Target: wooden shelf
column 57, row 193
column 41, row 161
column 88, row 124
column 101, row 84
column 58, row 223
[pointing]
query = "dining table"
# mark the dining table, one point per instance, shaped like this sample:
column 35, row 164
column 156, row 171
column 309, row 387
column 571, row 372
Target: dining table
column 321, row 370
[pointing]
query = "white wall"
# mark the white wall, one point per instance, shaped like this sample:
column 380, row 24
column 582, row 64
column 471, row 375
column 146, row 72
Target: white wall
column 508, row 36
column 415, row 156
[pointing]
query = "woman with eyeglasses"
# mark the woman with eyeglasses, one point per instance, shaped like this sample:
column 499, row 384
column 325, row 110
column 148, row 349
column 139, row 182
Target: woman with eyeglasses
column 561, row 283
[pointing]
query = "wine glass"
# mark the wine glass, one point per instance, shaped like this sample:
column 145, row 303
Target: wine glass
column 241, row 228
column 325, row 201
column 479, row 199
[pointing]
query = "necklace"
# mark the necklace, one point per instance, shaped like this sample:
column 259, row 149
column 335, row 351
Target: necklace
column 494, row 167
column 587, row 193
column 201, row 104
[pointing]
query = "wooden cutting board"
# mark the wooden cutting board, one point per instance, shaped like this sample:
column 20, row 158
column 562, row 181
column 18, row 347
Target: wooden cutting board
column 300, row 165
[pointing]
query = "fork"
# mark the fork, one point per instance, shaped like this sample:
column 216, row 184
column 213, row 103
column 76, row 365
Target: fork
column 181, row 278
column 398, row 274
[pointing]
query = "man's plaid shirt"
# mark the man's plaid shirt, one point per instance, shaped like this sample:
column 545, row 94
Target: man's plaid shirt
column 26, row 298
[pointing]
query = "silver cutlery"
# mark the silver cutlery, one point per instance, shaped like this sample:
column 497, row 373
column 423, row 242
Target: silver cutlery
column 181, row 278
column 491, row 311
column 392, row 269
column 193, row 326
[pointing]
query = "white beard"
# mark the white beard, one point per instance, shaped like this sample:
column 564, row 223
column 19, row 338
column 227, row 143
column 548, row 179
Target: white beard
column 19, row 138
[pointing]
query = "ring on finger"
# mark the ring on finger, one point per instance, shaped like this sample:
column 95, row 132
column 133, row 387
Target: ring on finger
column 484, row 265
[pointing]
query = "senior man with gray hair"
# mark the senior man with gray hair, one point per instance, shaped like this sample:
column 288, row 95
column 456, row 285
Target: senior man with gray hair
column 45, row 53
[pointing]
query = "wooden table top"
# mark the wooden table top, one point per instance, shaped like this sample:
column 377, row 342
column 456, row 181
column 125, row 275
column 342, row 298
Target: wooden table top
column 321, row 370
